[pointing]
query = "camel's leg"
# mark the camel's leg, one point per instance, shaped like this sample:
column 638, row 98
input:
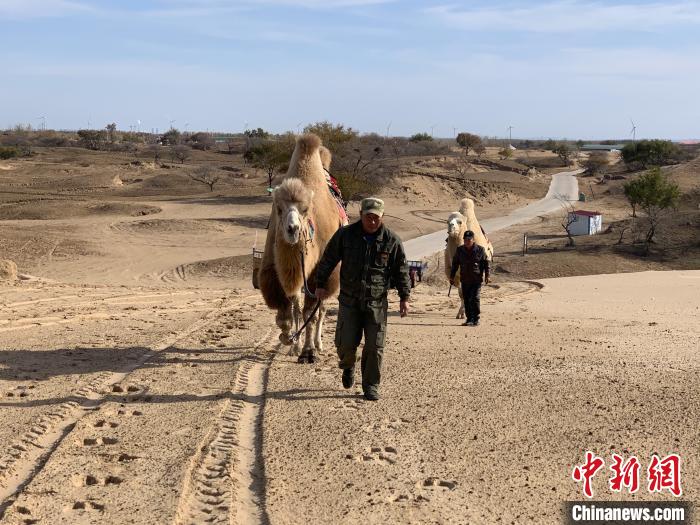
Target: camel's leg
column 298, row 321
column 285, row 322
column 309, row 349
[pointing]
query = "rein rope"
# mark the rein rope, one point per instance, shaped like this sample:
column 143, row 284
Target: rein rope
column 302, row 251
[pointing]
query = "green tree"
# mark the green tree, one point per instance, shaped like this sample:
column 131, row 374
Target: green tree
column 257, row 133
column 468, row 140
column 655, row 195
column 271, row 156
column 332, row 135
column 111, row 132
column 92, row 138
column 421, row 137
column 563, row 151
column 505, row 153
column 647, row 153
column 171, row 137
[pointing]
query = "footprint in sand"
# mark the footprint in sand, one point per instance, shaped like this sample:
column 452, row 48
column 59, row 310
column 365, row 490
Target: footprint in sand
column 393, row 424
column 436, row 483
column 381, row 455
column 348, row 404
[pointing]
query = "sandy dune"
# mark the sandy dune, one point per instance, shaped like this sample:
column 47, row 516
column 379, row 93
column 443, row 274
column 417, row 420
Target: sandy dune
column 144, row 405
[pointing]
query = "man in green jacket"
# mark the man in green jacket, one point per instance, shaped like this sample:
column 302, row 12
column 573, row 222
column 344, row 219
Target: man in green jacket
column 373, row 259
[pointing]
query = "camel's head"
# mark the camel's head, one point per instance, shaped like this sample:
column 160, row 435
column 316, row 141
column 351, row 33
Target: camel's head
column 292, row 203
column 455, row 224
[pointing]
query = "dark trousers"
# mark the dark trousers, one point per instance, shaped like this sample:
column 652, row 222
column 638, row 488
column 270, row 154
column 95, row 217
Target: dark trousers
column 471, row 293
column 353, row 323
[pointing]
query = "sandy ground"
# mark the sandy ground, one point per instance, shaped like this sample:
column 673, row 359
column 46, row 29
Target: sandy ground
column 151, row 406
column 141, row 380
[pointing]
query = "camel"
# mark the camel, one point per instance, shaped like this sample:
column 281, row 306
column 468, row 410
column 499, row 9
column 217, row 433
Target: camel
column 303, row 219
column 457, row 223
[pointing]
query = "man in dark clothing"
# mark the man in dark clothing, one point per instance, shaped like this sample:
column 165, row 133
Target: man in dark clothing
column 473, row 264
column 372, row 257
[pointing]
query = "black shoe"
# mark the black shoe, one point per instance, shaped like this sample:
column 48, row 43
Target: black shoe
column 466, row 323
column 371, row 395
column 475, row 323
column 348, row 377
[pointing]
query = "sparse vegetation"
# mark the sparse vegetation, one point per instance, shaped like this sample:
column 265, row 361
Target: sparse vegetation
column 257, row 133
column 596, row 163
column 202, row 141
column 205, row 175
column 8, row 152
column 421, row 137
column 563, row 151
column 655, row 195
column 271, row 156
column 646, row 153
column 505, row 153
column 180, row 153
column 93, row 139
column 332, row 135
column 469, row 141
column 171, row 137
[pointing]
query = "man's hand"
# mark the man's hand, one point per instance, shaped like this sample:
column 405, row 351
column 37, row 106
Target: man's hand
column 452, row 282
column 322, row 294
column 487, row 280
column 403, row 308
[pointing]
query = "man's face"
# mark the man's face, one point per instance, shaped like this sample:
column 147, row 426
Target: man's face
column 371, row 222
column 468, row 242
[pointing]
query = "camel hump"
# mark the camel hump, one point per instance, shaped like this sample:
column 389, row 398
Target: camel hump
column 308, row 144
column 326, row 157
column 466, row 206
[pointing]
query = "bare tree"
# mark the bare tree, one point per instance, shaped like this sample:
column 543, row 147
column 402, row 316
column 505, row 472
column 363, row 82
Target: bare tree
column 205, row 175
column 462, row 166
column 568, row 218
column 155, row 151
column 181, row 153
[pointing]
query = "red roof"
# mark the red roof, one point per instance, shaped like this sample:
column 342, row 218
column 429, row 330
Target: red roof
column 587, row 213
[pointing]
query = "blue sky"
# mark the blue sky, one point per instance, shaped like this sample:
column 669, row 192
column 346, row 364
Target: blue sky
column 568, row 68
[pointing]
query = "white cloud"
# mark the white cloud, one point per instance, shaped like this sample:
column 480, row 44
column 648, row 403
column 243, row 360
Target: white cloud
column 571, row 16
column 16, row 9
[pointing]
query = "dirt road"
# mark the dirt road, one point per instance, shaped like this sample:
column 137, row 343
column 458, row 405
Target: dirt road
column 564, row 185
column 145, row 405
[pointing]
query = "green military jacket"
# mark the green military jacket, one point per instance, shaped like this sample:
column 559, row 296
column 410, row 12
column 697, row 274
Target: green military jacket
column 368, row 270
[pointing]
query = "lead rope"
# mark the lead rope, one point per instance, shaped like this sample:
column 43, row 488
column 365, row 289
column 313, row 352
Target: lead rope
column 298, row 333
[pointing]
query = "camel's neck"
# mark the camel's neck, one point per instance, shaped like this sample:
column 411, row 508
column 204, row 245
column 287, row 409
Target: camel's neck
column 288, row 262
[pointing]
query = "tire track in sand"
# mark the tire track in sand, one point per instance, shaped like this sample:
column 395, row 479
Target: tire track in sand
column 26, row 457
column 225, row 480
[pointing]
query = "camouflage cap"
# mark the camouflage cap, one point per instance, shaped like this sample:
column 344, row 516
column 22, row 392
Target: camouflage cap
column 372, row 205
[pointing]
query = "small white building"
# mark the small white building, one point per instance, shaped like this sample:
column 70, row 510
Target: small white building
column 585, row 222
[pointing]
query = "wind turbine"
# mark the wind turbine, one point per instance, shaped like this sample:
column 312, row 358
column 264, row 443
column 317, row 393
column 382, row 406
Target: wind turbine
column 187, row 124
column 387, row 129
column 43, row 122
column 298, row 128
column 633, row 131
column 432, row 128
column 510, row 135
column 171, row 123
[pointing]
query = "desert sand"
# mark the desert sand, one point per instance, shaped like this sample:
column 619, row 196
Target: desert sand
column 142, row 382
